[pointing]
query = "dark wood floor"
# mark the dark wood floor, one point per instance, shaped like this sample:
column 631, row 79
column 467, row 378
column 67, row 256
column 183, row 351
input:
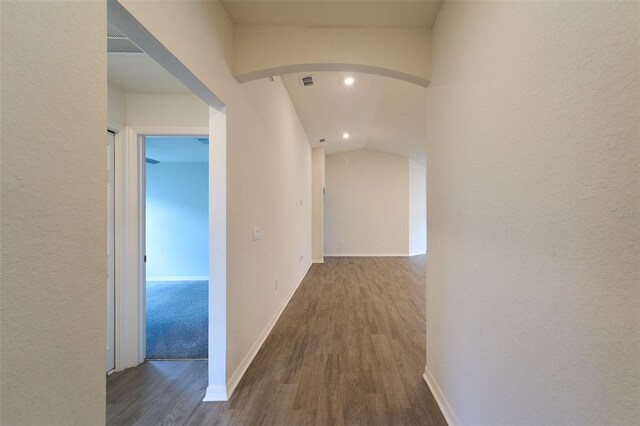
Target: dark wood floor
column 348, row 349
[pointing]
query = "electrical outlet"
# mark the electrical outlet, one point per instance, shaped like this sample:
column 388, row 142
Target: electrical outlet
column 301, row 257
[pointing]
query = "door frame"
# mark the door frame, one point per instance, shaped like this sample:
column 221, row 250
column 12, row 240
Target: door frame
column 130, row 240
column 119, row 138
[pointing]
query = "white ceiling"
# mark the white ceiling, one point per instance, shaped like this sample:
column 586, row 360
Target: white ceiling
column 351, row 13
column 141, row 74
column 176, row 149
column 379, row 113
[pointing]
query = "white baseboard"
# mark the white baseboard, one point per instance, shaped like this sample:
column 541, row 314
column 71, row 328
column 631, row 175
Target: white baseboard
column 246, row 362
column 366, row 254
column 215, row 393
column 417, row 253
column 444, row 405
column 317, row 261
column 167, row 279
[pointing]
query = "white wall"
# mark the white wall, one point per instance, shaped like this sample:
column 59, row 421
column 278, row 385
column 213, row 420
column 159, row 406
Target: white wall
column 317, row 207
column 166, row 110
column 53, row 224
column 265, row 50
column 533, row 171
column 366, row 206
column 268, row 173
column 177, row 216
column 116, row 106
column 417, row 208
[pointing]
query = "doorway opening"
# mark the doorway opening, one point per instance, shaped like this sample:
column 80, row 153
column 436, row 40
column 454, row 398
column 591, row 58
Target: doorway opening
column 176, row 246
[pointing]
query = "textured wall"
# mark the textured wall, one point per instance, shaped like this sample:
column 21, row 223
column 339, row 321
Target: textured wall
column 166, row 110
column 533, row 172
column 317, row 204
column 366, row 207
column 53, row 216
column 264, row 50
column 417, row 208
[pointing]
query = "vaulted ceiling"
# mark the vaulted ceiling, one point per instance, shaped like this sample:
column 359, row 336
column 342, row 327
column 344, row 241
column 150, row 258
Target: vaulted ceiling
column 379, row 113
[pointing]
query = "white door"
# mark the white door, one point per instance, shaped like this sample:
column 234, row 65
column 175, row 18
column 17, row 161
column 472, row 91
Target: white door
column 111, row 288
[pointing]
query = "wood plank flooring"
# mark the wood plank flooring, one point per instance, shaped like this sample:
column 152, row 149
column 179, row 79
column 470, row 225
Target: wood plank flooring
column 349, row 349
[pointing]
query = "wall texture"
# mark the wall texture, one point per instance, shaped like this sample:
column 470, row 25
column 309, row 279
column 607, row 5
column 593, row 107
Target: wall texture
column 166, row 110
column 268, row 171
column 116, row 106
column 533, row 171
column 317, row 208
column 177, row 220
column 264, row 50
column 417, row 208
column 366, row 210
column 53, row 215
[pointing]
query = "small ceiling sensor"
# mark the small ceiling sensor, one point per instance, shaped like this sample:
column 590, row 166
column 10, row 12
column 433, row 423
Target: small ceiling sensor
column 349, row 81
column 345, row 136
column 322, row 140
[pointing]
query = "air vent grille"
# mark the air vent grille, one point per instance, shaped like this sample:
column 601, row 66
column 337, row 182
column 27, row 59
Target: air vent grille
column 307, row 81
column 122, row 46
column 113, row 32
column 118, row 43
column 322, row 140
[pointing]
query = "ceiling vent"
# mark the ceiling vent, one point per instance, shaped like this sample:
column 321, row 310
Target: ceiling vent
column 307, row 81
column 119, row 44
column 322, row 140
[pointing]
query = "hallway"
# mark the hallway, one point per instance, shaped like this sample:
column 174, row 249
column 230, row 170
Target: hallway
column 348, row 349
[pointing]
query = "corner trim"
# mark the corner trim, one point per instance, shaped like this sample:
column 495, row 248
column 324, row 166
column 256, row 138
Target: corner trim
column 317, row 261
column 441, row 400
column 366, row 254
column 215, row 393
column 248, row 359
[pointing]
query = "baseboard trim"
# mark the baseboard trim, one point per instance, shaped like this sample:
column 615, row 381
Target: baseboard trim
column 215, row 393
column 248, row 359
column 167, row 279
column 417, row 253
column 441, row 400
column 367, row 254
column 317, row 261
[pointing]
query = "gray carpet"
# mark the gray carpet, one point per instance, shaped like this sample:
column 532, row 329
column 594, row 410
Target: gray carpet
column 177, row 319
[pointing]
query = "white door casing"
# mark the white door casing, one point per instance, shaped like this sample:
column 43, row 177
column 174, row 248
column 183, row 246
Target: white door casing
column 111, row 326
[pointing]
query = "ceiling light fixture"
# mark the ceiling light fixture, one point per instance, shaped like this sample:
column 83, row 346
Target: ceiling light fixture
column 349, row 81
column 345, row 136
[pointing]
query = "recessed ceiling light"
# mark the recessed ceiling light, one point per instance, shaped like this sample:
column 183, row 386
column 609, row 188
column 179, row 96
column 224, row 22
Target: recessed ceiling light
column 345, row 136
column 349, row 81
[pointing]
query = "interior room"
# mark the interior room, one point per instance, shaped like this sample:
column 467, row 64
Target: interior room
column 177, row 246
column 335, row 130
